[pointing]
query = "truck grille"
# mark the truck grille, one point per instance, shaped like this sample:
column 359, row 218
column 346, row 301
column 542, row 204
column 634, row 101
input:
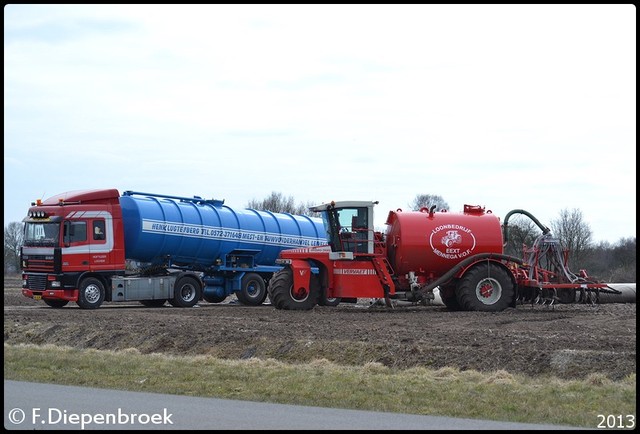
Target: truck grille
column 37, row 282
column 40, row 263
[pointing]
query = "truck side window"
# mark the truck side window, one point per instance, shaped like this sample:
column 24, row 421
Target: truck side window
column 77, row 232
column 98, row 230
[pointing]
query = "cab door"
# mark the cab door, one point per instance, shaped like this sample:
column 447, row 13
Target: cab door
column 76, row 251
column 100, row 244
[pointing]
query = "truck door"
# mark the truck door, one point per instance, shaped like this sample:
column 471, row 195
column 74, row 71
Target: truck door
column 100, row 245
column 75, row 253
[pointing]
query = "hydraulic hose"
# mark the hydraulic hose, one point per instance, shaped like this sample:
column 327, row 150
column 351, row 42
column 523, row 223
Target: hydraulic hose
column 545, row 230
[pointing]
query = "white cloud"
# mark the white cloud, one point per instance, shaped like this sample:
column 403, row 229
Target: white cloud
column 507, row 106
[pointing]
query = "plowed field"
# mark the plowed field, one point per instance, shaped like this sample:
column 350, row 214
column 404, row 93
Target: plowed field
column 570, row 341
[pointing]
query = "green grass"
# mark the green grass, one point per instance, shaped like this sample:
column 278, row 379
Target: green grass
column 444, row 392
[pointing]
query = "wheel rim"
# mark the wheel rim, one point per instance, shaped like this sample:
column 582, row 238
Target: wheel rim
column 488, row 291
column 187, row 293
column 253, row 289
column 301, row 294
column 92, row 293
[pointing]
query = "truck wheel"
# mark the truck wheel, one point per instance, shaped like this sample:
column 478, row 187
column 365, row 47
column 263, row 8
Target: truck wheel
column 253, row 290
column 283, row 295
column 153, row 303
column 187, row 292
column 55, row 303
column 486, row 287
column 91, row 293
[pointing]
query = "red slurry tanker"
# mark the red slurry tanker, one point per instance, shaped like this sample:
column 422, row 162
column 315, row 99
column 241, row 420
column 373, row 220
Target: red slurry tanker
column 461, row 254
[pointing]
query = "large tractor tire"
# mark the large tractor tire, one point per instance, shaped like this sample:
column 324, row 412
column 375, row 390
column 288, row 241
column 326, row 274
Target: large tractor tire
column 486, row 287
column 91, row 293
column 187, row 292
column 283, row 295
column 253, row 290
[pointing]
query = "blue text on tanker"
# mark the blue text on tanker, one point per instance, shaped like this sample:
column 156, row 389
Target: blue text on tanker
column 224, row 234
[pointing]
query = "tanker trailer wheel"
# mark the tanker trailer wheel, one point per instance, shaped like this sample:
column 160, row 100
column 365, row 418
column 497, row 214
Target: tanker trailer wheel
column 90, row 294
column 253, row 290
column 284, row 296
column 55, row 303
column 485, row 287
column 186, row 293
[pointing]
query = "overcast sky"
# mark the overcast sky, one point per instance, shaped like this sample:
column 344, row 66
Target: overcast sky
column 509, row 107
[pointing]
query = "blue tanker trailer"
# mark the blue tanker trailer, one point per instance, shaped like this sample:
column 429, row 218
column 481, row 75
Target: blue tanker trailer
column 77, row 246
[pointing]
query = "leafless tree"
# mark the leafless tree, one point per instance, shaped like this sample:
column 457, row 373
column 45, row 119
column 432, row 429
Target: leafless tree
column 277, row 202
column 427, row 201
column 521, row 232
column 574, row 234
column 12, row 241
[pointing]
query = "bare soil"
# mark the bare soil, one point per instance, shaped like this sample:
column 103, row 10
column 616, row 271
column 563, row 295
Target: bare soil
column 569, row 341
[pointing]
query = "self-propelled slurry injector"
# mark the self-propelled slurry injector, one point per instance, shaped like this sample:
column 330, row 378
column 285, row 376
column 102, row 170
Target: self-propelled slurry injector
column 461, row 254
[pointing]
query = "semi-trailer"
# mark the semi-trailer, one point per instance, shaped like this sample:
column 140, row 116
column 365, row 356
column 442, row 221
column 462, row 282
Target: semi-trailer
column 91, row 246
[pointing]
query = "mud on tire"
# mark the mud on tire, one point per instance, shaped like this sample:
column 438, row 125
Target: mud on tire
column 485, row 287
column 283, row 295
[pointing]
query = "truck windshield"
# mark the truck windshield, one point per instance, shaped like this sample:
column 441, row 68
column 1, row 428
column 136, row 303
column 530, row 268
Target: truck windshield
column 41, row 234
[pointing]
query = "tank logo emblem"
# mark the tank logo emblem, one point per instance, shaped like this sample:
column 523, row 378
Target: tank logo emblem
column 452, row 241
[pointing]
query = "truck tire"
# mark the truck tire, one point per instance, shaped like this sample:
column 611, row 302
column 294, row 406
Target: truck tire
column 283, row 295
column 187, row 292
column 55, row 303
column 485, row 287
column 91, row 293
column 253, row 290
column 153, row 303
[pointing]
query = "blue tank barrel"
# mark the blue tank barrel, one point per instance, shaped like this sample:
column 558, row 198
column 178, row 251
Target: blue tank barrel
column 196, row 231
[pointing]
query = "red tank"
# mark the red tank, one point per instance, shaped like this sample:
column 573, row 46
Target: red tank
column 431, row 243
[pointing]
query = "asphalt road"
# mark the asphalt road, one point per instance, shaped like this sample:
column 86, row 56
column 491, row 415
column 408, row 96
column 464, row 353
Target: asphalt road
column 29, row 406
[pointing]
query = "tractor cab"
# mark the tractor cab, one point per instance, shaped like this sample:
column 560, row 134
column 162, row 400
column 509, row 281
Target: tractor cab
column 349, row 226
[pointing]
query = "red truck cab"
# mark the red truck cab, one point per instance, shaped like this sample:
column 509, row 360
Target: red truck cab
column 71, row 239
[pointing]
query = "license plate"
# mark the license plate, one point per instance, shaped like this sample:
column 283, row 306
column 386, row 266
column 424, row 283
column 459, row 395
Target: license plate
column 37, row 297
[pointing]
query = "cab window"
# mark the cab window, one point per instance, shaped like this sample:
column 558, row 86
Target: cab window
column 75, row 232
column 98, row 230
